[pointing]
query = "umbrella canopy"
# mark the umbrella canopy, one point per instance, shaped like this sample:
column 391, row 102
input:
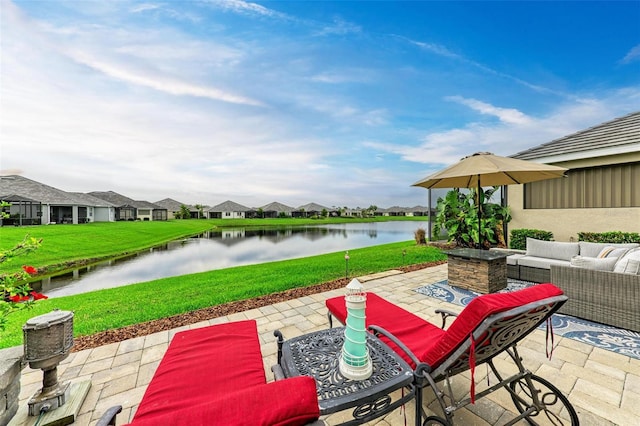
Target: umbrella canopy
column 485, row 169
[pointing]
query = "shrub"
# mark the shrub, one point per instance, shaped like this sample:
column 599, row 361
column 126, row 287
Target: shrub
column 420, row 236
column 458, row 214
column 518, row 237
column 609, row 237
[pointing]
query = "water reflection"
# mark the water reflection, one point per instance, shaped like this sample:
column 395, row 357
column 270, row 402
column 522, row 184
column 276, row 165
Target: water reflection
column 225, row 248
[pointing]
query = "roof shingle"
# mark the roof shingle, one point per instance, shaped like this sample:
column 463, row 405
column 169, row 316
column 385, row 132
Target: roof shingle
column 621, row 134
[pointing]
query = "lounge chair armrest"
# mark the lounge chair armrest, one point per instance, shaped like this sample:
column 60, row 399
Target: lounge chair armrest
column 381, row 331
column 109, row 417
column 444, row 313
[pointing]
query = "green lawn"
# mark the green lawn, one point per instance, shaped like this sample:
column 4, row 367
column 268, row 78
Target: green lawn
column 94, row 241
column 117, row 307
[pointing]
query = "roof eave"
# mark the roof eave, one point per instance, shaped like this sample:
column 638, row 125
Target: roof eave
column 582, row 155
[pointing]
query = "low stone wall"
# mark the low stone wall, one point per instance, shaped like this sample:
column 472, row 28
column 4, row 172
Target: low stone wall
column 11, row 364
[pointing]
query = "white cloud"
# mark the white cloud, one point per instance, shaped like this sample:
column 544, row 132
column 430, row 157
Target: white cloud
column 445, row 52
column 438, row 49
column 143, row 7
column 339, row 27
column 514, row 132
column 167, row 84
column 507, row 115
column 247, row 8
column 632, row 56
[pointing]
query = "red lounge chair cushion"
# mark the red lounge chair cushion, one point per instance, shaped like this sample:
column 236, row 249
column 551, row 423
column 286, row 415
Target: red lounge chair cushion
column 477, row 311
column 288, row 402
column 203, row 365
column 416, row 333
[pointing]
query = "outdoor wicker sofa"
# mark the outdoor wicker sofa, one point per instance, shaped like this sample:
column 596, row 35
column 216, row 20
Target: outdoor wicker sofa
column 215, row 376
column 490, row 325
column 535, row 263
column 606, row 297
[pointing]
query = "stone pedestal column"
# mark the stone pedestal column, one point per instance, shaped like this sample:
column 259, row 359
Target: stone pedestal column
column 11, row 365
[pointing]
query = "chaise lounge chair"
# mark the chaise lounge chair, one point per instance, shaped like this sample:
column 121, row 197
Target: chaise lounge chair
column 488, row 326
column 215, row 376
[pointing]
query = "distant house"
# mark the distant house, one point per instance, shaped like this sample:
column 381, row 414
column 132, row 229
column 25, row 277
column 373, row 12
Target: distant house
column 276, row 209
column 396, row 211
column 403, row 211
column 129, row 209
column 601, row 191
column 418, row 211
column 124, row 208
column 56, row 205
column 103, row 211
column 149, row 211
column 310, row 210
column 228, row 210
column 347, row 212
column 174, row 208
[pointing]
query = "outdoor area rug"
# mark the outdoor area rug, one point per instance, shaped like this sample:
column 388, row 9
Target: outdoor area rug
column 613, row 339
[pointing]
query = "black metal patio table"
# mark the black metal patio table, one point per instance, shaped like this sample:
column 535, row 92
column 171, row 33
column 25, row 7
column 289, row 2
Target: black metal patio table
column 317, row 355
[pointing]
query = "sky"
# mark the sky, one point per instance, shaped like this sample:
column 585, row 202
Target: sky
column 343, row 103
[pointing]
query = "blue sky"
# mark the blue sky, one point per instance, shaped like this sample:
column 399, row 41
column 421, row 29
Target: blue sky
column 339, row 103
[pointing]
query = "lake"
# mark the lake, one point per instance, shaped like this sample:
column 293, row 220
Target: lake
column 226, row 248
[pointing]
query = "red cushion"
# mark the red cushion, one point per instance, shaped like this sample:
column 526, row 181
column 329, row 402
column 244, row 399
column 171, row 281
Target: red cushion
column 202, row 365
column 415, row 332
column 289, row 402
column 477, row 311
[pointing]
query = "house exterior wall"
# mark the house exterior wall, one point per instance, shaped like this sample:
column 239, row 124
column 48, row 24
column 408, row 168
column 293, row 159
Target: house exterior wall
column 104, row 214
column 232, row 215
column 46, row 214
column 566, row 223
column 144, row 214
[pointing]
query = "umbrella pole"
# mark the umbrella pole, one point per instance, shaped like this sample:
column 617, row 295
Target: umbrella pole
column 479, row 213
column 505, row 203
column 429, row 236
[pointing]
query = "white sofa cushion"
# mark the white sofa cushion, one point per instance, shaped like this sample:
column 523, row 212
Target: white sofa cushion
column 553, row 249
column 513, row 259
column 633, row 267
column 610, row 251
column 541, row 262
column 593, row 249
column 622, row 263
column 598, row 264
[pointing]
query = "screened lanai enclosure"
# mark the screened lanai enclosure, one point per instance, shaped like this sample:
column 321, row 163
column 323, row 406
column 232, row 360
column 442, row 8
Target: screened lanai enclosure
column 21, row 211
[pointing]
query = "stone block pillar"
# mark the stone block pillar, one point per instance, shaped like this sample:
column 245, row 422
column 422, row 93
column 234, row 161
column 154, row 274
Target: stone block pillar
column 11, row 365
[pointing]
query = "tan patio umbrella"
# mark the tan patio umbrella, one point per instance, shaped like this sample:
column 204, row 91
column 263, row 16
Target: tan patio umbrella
column 485, row 169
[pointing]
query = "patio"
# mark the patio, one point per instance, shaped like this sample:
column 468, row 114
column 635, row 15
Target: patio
column 603, row 386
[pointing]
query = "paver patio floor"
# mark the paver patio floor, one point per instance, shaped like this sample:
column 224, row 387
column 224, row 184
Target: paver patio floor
column 604, row 387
